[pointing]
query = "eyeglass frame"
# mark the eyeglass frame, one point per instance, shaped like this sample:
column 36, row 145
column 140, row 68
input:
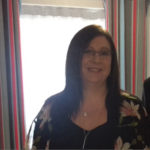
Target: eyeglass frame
column 102, row 53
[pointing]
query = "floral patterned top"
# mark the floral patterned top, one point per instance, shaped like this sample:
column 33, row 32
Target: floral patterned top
column 132, row 131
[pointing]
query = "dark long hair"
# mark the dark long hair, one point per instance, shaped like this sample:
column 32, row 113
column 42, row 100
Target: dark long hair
column 70, row 99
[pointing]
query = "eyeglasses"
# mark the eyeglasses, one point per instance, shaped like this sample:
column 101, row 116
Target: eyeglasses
column 102, row 54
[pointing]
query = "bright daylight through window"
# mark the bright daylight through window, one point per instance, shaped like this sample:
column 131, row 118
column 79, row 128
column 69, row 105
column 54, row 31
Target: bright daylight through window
column 46, row 31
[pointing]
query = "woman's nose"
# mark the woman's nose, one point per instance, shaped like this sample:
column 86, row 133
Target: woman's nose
column 96, row 57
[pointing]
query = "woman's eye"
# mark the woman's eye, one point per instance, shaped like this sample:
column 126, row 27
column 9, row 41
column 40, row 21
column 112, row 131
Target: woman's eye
column 89, row 52
column 105, row 53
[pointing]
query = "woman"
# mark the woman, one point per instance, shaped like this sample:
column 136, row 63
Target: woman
column 91, row 112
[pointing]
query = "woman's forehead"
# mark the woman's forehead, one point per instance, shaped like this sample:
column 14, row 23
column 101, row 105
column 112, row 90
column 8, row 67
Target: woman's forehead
column 99, row 41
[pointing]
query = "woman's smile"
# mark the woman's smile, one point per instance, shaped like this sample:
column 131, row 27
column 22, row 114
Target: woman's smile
column 94, row 69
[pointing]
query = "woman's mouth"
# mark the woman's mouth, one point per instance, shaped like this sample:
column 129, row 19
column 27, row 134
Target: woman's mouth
column 94, row 69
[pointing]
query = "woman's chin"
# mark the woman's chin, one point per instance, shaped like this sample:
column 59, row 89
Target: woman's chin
column 95, row 81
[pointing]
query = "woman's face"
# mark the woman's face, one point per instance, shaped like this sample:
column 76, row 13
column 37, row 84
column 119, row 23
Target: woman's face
column 96, row 61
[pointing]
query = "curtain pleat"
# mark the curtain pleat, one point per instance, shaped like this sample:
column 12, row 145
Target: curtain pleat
column 134, row 29
column 147, row 58
column 125, row 20
column 144, row 46
column 11, row 118
column 140, row 42
column 1, row 122
column 19, row 74
column 13, row 76
column 122, row 44
column 115, row 23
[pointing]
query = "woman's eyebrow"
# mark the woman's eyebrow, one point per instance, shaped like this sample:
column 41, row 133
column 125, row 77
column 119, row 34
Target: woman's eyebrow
column 102, row 48
column 106, row 48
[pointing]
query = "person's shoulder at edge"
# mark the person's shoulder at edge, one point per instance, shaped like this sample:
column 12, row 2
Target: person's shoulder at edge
column 147, row 82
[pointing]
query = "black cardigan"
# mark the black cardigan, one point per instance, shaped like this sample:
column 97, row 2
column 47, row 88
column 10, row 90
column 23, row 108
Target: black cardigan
column 131, row 130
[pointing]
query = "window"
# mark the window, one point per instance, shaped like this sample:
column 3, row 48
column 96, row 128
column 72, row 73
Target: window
column 46, row 31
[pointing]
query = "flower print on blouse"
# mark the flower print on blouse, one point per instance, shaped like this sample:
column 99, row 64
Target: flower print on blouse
column 42, row 129
column 132, row 130
column 132, row 117
column 130, row 109
column 119, row 145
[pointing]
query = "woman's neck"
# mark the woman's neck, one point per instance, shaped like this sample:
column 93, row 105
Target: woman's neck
column 94, row 95
column 93, row 111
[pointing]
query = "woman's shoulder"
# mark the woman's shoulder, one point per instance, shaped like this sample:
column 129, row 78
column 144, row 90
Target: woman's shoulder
column 50, row 100
column 126, row 96
column 43, row 122
column 133, row 116
column 44, row 114
column 131, row 105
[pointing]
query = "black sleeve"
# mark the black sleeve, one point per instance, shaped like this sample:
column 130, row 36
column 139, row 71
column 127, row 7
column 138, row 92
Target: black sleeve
column 43, row 128
column 41, row 135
